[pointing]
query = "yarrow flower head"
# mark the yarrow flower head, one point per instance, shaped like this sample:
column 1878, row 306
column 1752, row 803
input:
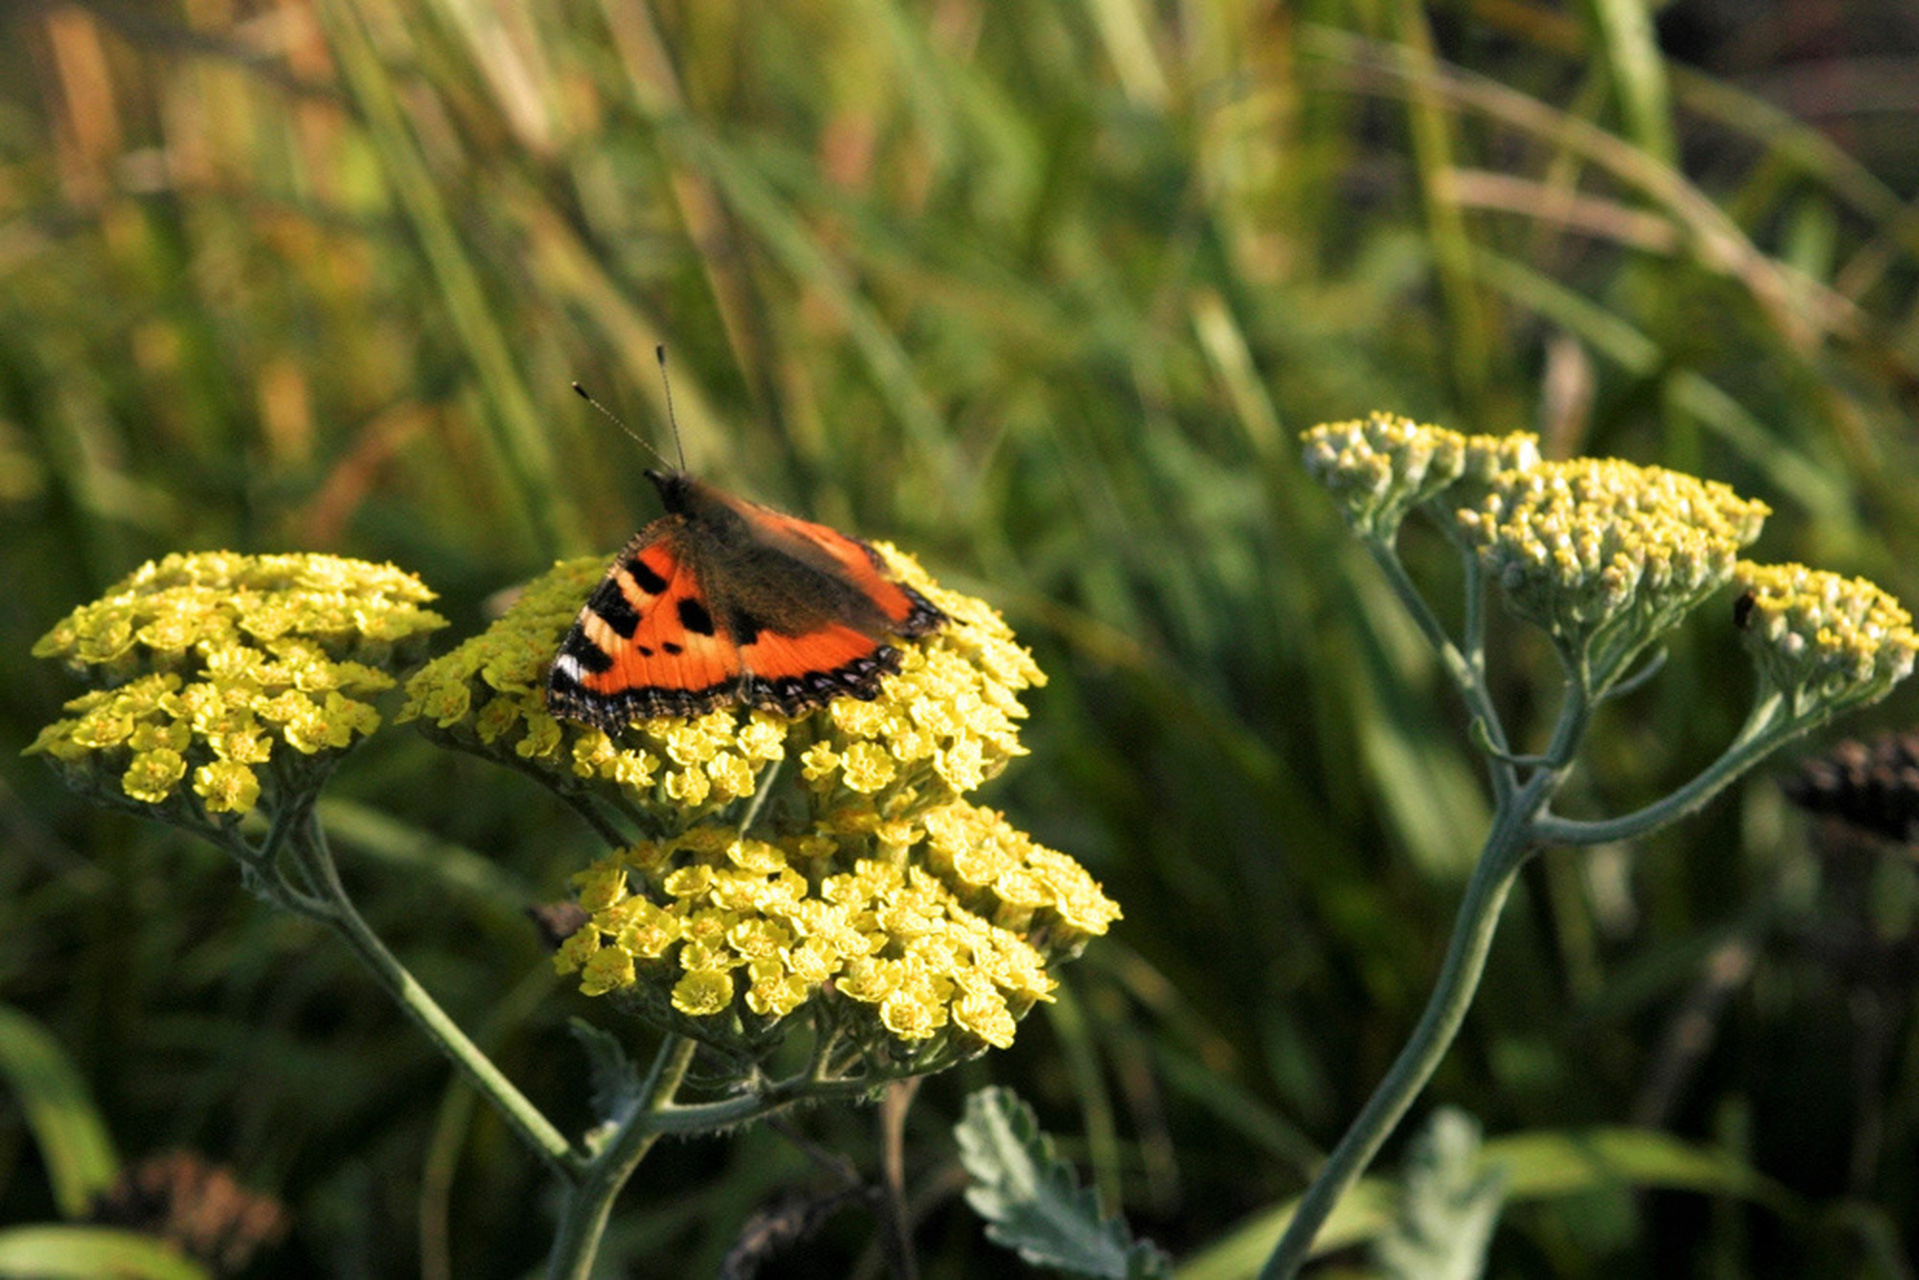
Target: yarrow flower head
column 224, row 674
column 1607, row 555
column 823, row 863
column 942, row 725
column 919, row 941
column 1824, row 643
column 1383, row 466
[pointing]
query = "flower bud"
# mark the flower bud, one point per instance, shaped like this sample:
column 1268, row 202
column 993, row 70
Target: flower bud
column 1823, row 642
column 1380, row 468
column 1607, row 555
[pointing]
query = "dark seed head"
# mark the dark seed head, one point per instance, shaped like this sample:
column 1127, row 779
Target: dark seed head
column 1873, row 786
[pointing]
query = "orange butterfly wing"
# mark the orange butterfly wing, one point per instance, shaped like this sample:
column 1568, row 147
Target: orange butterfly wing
column 907, row 612
column 644, row 645
column 799, row 654
column 795, row 673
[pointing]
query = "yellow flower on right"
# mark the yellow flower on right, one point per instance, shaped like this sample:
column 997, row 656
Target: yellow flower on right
column 1823, row 642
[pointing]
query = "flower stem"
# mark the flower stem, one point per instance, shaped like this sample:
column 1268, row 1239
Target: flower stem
column 1765, row 730
column 1473, row 928
column 1521, row 824
column 589, row 1202
column 1466, row 668
column 1505, row 851
column 308, row 845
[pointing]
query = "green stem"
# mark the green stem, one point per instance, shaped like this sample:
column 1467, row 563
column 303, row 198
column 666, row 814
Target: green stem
column 1505, row 778
column 308, row 845
column 586, row 806
column 1473, row 630
column 706, row 1117
column 1467, row 670
column 589, row 1202
column 1574, row 715
column 1473, row 929
column 1763, row 732
column 263, row 867
column 1504, row 854
column 1520, row 824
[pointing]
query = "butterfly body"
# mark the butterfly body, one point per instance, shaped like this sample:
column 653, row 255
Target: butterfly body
column 722, row 599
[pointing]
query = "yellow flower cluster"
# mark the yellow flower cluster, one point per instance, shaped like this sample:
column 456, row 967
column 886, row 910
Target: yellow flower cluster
column 927, row 937
column 945, row 723
column 918, row 925
column 1605, row 554
column 1381, row 467
column 488, row 696
column 211, row 659
column 1824, row 642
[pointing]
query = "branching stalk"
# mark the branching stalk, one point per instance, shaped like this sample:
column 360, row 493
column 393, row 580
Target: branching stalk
column 1765, row 729
column 590, row 1200
column 1507, row 845
column 1466, row 670
column 307, row 846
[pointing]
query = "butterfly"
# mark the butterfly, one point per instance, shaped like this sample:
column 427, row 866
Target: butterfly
column 723, row 600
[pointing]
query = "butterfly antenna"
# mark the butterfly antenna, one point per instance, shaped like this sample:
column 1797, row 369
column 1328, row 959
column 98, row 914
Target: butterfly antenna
column 671, row 421
column 615, row 419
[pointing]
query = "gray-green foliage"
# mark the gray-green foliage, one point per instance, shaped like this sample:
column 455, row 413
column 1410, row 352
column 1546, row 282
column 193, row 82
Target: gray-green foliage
column 1448, row 1205
column 1032, row 1200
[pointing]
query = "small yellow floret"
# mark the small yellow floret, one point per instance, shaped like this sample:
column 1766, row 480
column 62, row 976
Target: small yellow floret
column 227, row 786
column 703, row 992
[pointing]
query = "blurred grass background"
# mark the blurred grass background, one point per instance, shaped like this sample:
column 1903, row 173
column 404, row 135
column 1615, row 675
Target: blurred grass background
column 1042, row 292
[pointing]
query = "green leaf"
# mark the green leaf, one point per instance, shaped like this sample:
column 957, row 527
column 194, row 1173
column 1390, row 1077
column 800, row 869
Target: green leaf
column 1447, row 1206
column 74, row 1143
column 1549, row 1165
column 88, row 1253
column 1032, row 1200
column 1363, row 1213
column 615, row 1080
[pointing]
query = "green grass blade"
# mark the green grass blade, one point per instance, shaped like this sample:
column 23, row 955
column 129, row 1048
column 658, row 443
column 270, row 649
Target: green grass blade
column 1624, row 32
column 73, row 1139
column 1430, row 120
column 89, row 1253
column 1539, row 1166
column 1822, row 492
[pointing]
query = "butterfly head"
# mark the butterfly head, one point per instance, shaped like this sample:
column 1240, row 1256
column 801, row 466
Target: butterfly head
column 676, row 488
